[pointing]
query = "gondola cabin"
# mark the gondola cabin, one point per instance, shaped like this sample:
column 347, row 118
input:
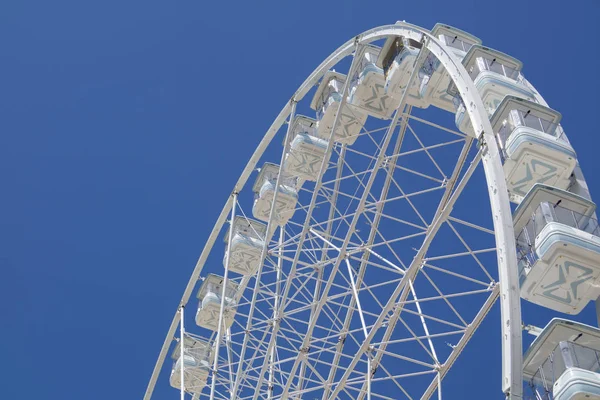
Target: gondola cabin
column 306, row 151
column 558, row 247
column 532, row 152
column 264, row 193
column 196, row 364
column 327, row 101
column 210, row 296
column 397, row 60
column 367, row 89
column 495, row 76
column 563, row 362
column 246, row 247
column 433, row 78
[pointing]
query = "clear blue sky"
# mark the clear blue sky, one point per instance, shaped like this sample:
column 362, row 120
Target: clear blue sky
column 124, row 126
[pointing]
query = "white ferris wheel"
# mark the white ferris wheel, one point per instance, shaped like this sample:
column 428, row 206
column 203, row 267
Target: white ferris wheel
column 420, row 179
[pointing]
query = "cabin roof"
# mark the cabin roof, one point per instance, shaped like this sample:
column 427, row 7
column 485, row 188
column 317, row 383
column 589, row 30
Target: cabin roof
column 558, row 330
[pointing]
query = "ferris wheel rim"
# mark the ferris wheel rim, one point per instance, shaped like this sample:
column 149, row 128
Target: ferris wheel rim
column 499, row 200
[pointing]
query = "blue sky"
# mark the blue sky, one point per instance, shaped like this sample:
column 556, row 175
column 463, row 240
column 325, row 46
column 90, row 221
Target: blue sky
column 125, row 126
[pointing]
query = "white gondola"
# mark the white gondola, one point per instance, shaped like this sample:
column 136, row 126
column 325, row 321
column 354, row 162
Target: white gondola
column 326, row 102
column 397, row 59
column 495, row 76
column 368, row 87
column 264, row 190
column 559, row 249
column 209, row 296
column 532, row 152
column 433, row 79
column 196, row 364
column 304, row 124
column 564, row 361
column 307, row 151
column 246, row 246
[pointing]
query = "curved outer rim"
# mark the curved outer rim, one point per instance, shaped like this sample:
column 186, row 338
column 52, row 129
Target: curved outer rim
column 512, row 355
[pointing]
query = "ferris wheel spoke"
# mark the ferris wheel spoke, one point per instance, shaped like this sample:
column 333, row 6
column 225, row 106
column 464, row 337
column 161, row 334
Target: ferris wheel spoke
column 445, row 297
column 399, row 220
column 361, row 153
column 426, row 149
column 443, row 128
column 394, row 379
column 470, row 225
column 462, row 240
column 471, row 328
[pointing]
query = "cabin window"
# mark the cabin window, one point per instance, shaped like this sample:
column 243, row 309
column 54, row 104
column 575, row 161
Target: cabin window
column 430, row 64
column 565, row 355
column 493, row 65
column 332, row 87
column 394, row 50
column 414, row 43
column 456, row 43
column 529, row 119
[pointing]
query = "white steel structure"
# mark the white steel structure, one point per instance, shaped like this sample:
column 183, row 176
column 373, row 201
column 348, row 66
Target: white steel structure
column 377, row 255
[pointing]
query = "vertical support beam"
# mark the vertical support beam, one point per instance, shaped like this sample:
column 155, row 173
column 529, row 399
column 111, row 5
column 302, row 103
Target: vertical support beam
column 181, row 352
column 357, row 300
column 439, row 388
column 369, row 376
column 275, row 305
column 222, row 308
column 229, row 358
column 423, row 322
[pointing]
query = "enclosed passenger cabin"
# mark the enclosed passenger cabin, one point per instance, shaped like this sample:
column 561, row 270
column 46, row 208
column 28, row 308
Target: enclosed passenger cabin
column 367, row 88
column 264, row 190
column 209, row 296
column 397, row 60
column 495, row 76
column 558, row 247
column 563, row 362
column 247, row 243
column 304, row 124
column 326, row 102
column 306, row 152
column 433, row 78
column 527, row 136
column 196, row 363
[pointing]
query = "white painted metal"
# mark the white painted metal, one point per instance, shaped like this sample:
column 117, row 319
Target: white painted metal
column 182, row 352
column 336, row 121
column 264, row 251
column 217, row 342
column 265, row 347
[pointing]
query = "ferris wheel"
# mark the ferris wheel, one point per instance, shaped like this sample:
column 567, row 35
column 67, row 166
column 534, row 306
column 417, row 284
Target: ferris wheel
column 419, row 178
